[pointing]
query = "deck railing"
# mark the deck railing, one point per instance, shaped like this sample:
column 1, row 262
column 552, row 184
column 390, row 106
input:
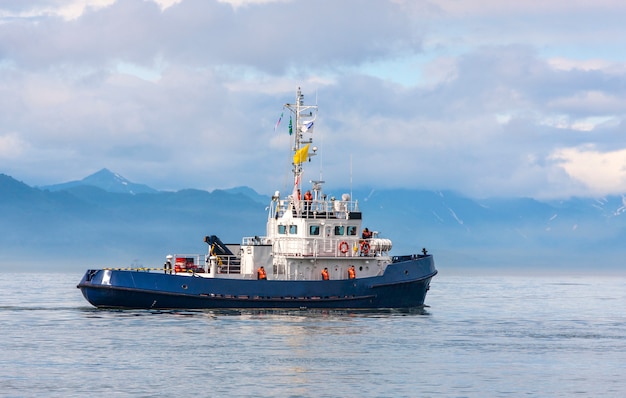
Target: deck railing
column 342, row 209
column 227, row 264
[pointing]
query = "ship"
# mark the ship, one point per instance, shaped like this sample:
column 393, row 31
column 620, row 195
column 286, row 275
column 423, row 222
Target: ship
column 315, row 254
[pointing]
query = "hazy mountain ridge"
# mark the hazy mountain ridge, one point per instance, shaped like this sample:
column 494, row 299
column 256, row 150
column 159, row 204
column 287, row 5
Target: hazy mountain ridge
column 99, row 223
column 90, row 225
column 105, row 179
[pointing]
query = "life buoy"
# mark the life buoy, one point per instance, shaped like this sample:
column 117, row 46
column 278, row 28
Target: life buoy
column 343, row 247
column 365, row 248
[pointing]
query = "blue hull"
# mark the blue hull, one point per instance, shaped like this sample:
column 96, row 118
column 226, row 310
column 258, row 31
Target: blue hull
column 403, row 285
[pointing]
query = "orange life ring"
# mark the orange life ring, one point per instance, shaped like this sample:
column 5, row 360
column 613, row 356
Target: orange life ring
column 365, row 248
column 343, row 247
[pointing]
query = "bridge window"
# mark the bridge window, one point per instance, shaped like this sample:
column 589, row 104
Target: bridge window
column 282, row 229
column 314, row 230
column 352, row 230
column 339, row 230
column 293, row 229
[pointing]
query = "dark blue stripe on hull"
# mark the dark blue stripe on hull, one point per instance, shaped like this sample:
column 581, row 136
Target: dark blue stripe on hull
column 399, row 296
column 127, row 298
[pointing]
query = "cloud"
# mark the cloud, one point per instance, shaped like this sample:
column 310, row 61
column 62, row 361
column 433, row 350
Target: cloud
column 601, row 172
column 200, row 33
column 440, row 95
column 11, row 146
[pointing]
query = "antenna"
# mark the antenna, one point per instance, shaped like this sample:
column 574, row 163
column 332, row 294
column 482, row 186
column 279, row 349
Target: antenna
column 321, row 144
column 351, row 175
column 322, row 157
column 304, row 117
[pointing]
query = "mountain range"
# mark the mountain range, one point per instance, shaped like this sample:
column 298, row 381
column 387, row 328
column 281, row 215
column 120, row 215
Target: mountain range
column 104, row 220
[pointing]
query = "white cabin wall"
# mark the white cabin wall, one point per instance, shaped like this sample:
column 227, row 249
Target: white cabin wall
column 255, row 256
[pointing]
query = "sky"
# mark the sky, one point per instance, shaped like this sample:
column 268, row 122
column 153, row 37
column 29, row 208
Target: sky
column 487, row 98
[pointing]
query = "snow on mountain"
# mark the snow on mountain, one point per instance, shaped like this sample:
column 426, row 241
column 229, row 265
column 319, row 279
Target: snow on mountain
column 106, row 180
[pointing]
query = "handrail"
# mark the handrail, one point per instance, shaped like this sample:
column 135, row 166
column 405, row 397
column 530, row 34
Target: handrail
column 315, row 208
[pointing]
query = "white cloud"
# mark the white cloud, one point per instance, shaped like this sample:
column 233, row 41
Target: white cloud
column 243, row 3
column 564, row 122
column 590, row 101
column 480, row 97
column 567, row 64
column 517, row 8
column 11, row 146
column 601, row 172
column 67, row 9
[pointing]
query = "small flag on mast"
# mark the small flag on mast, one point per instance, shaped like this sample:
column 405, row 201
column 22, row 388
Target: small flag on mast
column 278, row 122
column 306, row 127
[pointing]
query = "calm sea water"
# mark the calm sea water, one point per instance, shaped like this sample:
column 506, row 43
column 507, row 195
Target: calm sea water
column 482, row 336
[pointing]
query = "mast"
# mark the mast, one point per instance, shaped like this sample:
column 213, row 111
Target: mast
column 304, row 116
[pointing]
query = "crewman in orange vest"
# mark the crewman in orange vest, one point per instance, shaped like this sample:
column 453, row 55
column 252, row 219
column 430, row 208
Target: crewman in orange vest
column 325, row 275
column 308, row 197
column 351, row 272
column 260, row 274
